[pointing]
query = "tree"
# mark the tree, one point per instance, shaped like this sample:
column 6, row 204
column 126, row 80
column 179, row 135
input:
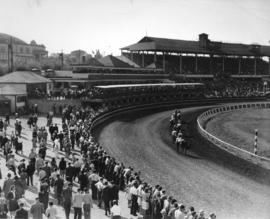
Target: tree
column 97, row 54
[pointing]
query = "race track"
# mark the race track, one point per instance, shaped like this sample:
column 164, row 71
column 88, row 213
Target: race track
column 206, row 179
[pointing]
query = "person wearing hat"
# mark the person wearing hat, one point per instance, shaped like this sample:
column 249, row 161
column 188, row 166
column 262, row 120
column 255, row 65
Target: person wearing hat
column 180, row 212
column 67, row 199
column 21, row 166
column 201, row 215
column 37, row 209
column 30, row 170
column 106, row 198
column 87, row 204
column 77, row 204
column 21, row 213
column 58, row 184
column 8, row 183
column 191, row 213
column 212, row 216
column 51, row 211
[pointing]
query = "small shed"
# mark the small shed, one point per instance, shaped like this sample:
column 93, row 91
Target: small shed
column 16, row 95
column 4, row 105
column 29, row 81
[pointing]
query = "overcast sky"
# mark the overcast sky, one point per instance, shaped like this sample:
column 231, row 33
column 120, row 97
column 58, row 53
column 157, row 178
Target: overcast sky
column 111, row 24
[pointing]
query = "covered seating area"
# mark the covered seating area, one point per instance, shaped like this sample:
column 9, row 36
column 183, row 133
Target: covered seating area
column 200, row 57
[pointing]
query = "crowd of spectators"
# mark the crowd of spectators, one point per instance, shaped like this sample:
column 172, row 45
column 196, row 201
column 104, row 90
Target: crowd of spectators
column 98, row 176
column 233, row 88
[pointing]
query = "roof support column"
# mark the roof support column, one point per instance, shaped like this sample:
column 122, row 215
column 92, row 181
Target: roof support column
column 239, row 65
column 223, row 64
column 180, row 63
column 155, row 57
column 164, row 61
column 196, row 63
column 268, row 64
column 255, row 65
column 143, row 59
column 211, row 64
column 131, row 56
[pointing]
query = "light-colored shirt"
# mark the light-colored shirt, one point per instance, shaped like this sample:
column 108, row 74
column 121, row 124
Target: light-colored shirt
column 179, row 214
column 51, row 212
column 99, row 185
column 77, row 200
column 87, row 199
column 133, row 191
column 115, row 210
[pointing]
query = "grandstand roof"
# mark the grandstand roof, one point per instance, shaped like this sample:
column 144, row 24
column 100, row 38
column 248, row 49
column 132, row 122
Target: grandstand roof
column 184, row 46
column 111, row 61
column 23, row 77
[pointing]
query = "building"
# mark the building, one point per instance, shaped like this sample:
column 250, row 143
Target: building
column 202, row 57
column 28, row 82
column 15, row 54
column 16, row 96
column 4, row 105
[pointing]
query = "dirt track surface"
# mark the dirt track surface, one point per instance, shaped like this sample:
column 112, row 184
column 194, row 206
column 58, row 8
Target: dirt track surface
column 208, row 179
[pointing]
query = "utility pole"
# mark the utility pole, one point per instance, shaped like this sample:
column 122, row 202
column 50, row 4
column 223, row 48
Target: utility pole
column 61, row 56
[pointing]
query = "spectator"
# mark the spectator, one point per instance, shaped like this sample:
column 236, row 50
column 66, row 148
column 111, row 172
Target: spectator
column 115, row 210
column 51, row 211
column 21, row 213
column 37, row 209
column 67, row 199
column 87, row 204
column 77, row 204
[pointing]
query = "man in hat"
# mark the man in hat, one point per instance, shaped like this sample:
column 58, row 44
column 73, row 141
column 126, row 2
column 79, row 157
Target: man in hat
column 69, row 172
column 59, row 183
column 67, row 199
column 106, row 198
column 180, row 212
column 37, row 209
column 51, row 211
column 21, row 213
column 47, row 169
column 87, row 204
column 21, row 166
column 8, row 183
column 77, row 204
column 44, row 192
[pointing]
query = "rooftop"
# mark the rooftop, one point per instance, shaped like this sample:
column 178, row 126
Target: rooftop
column 7, row 89
column 202, row 46
column 23, row 77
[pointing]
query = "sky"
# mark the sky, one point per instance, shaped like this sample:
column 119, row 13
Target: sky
column 108, row 25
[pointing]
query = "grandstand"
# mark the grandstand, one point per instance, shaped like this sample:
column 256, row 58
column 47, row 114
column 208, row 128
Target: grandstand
column 202, row 57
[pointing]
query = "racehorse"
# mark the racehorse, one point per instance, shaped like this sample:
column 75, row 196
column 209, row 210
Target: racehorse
column 185, row 145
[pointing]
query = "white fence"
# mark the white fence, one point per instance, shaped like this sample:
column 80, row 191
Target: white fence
column 246, row 155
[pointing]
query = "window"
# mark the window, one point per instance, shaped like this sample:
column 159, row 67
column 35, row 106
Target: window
column 21, row 49
column 21, row 99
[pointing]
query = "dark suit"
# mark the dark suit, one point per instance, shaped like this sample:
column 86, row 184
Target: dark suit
column 106, row 198
column 21, row 214
column 67, row 200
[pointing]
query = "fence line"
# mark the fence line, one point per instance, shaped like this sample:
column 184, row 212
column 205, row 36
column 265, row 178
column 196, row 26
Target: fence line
column 209, row 114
